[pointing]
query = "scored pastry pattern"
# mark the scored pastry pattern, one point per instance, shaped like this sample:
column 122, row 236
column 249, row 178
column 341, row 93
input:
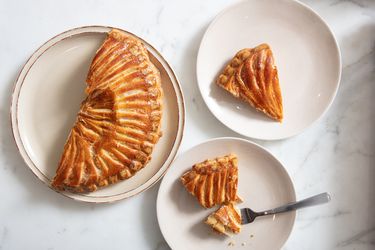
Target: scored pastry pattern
column 226, row 219
column 252, row 76
column 213, row 182
column 120, row 120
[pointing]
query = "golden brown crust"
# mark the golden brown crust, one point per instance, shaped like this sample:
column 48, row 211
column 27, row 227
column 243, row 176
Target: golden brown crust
column 213, row 182
column 226, row 219
column 119, row 121
column 252, row 76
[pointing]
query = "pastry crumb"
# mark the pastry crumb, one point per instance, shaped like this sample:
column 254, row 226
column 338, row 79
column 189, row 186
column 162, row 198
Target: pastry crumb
column 243, row 243
column 231, row 243
column 251, row 235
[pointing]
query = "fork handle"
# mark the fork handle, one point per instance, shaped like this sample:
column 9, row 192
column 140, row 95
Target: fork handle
column 312, row 201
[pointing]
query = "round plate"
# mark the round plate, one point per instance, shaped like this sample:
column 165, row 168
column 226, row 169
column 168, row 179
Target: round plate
column 47, row 97
column 306, row 54
column 263, row 184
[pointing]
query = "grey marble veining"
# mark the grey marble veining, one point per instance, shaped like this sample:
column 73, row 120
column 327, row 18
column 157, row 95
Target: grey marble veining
column 336, row 154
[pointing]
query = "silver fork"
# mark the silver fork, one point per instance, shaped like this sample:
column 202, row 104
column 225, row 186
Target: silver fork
column 248, row 215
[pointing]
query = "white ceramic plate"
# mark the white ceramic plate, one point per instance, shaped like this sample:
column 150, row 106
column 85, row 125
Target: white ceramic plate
column 306, row 54
column 263, row 184
column 47, row 97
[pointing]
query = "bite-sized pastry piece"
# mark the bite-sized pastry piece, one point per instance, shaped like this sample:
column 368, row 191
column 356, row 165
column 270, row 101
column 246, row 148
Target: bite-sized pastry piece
column 213, row 182
column 118, row 123
column 252, row 76
column 226, row 220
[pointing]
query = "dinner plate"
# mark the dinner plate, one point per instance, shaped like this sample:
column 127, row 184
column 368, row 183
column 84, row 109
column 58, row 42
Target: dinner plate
column 263, row 184
column 47, row 97
column 306, row 54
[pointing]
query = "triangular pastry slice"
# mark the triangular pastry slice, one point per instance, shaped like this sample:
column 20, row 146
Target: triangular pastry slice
column 252, row 76
column 118, row 123
column 213, row 182
column 226, row 220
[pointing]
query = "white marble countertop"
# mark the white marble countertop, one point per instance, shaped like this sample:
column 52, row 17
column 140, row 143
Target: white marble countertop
column 335, row 155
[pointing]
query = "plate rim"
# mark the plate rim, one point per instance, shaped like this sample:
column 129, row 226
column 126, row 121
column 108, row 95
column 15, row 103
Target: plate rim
column 301, row 130
column 13, row 114
column 264, row 149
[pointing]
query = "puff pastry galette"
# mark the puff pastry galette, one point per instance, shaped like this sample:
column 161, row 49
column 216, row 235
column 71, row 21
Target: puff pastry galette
column 213, row 182
column 252, row 76
column 226, row 220
column 118, row 123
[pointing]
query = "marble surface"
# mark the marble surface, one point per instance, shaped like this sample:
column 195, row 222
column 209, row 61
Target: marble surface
column 336, row 154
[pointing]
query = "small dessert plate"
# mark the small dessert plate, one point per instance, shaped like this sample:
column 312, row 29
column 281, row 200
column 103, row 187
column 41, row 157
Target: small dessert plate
column 263, row 184
column 47, row 97
column 306, row 54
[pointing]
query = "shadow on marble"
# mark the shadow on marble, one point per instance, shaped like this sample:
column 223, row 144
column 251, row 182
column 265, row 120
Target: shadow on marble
column 351, row 124
column 357, row 45
column 149, row 220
